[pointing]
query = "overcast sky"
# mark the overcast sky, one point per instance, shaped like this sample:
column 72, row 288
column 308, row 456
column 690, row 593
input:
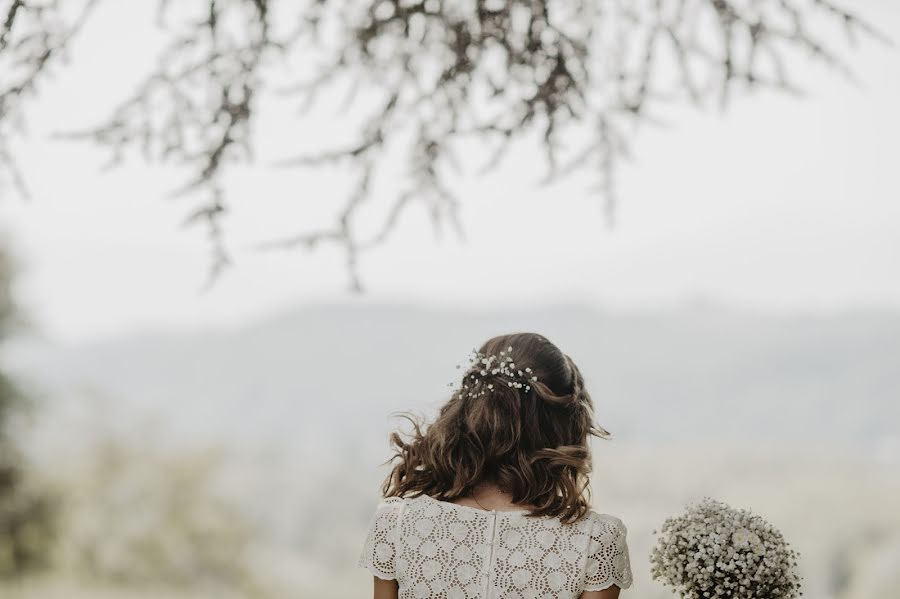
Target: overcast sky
column 780, row 204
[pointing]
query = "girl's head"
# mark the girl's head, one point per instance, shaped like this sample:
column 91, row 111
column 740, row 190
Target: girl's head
column 530, row 439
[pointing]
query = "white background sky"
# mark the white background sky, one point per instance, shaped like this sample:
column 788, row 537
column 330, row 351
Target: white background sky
column 780, row 204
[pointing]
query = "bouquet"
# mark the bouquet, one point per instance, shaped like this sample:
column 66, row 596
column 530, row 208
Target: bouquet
column 714, row 550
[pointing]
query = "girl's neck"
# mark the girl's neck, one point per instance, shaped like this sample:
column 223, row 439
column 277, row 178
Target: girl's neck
column 488, row 495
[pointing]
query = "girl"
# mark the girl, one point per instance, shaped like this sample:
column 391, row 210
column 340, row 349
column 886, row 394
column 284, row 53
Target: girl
column 492, row 500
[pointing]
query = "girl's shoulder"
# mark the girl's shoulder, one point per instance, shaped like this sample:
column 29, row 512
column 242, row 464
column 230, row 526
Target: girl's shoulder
column 606, row 529
column 591, row 522
column 607, row 520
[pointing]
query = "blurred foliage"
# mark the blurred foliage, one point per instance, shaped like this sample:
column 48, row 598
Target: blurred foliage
column 424, row 80
column 141, row 516
column 27, row 513
column 122, row 512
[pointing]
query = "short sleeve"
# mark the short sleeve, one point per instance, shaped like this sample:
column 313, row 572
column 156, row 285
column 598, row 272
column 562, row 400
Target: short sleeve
column 607, row 562
column 380, row 546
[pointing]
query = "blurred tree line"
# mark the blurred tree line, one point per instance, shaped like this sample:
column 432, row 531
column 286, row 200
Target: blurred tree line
column 117, row 508
column 28, row 514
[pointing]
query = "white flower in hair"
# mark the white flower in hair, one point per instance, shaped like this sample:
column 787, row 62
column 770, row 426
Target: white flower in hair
column 502, row 365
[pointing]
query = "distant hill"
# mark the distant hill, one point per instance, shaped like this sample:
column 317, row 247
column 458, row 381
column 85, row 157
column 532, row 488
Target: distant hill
column 329, row 375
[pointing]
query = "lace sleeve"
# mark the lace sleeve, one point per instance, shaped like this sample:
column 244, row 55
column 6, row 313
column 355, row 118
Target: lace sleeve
column 380, row 547
column 607, row 562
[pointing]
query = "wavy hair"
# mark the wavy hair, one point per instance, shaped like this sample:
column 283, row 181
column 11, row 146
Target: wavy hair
column 533, row 442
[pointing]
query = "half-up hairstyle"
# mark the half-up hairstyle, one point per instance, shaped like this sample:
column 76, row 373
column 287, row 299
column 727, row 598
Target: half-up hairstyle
column 532, row 441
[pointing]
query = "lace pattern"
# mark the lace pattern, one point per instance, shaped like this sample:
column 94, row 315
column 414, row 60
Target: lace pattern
column 444, row 550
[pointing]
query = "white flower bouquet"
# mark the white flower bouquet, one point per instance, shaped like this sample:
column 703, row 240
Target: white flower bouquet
column 714, row 550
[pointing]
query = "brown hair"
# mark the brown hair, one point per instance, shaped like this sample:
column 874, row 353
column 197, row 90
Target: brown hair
column 532, row 441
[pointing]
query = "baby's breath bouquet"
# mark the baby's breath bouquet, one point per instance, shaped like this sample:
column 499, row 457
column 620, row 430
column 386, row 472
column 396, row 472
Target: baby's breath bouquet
column 714, row 550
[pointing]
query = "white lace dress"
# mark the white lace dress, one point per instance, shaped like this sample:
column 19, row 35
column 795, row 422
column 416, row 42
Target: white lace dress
column 440, row 549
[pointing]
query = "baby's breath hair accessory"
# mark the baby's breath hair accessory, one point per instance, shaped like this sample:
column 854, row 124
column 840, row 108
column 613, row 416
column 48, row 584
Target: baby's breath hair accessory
column 486, row 369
